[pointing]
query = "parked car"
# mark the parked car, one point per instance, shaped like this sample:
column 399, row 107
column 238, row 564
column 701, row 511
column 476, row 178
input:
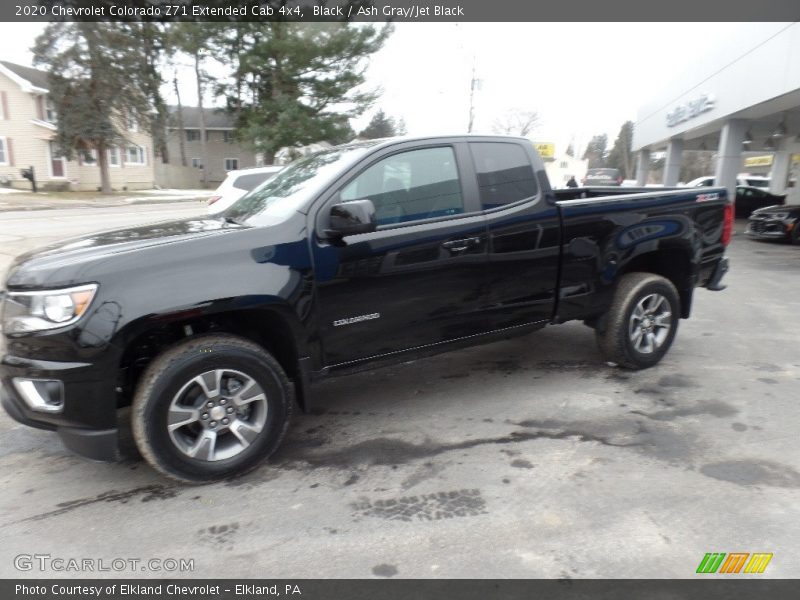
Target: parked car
column 746, row 180
column 375, row 252
column 237, row 184
column 603, row 177
column 775, row 223
column 749, row 199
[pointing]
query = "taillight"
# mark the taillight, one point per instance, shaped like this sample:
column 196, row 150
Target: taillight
column 727, row 224
column 213, row 199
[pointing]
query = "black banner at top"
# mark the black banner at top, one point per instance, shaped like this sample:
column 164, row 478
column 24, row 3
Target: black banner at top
column 400, row 10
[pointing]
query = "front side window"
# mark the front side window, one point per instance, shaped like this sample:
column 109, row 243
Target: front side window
column 505, row 174
column 409, row 186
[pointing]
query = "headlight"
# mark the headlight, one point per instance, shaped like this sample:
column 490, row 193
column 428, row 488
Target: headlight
column 25, row 312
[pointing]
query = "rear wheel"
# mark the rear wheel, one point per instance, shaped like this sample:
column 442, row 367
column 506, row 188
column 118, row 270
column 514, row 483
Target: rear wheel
column 211, row 407
column 639, row 327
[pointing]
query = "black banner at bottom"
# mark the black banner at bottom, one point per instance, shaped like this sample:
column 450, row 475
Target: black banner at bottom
column 399, row 589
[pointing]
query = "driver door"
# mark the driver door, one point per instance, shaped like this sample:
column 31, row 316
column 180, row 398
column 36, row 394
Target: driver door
column 419, row 279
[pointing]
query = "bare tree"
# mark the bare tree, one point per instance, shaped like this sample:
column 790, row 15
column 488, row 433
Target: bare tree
column 516, row 122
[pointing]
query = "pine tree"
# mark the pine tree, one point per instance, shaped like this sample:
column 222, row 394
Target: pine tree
column 596, row 151
column 381, row 126
column 96, row 83
column 296, row 83
column 621, row 155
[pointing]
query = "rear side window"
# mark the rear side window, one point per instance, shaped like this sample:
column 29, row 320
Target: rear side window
column 251, row 181
column 504, row 173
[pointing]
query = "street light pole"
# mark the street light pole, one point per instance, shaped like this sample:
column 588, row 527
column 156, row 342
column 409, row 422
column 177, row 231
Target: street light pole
column 472, row 85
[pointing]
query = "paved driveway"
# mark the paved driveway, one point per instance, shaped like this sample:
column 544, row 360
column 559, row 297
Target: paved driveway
column 524, row 458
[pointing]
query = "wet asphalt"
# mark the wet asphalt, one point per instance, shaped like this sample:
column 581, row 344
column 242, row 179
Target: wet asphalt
column 524, row 458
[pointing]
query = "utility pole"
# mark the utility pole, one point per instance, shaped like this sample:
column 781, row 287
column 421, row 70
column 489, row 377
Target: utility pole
column 473, row 85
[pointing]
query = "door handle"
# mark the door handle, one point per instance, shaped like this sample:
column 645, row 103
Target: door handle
column 461, row 245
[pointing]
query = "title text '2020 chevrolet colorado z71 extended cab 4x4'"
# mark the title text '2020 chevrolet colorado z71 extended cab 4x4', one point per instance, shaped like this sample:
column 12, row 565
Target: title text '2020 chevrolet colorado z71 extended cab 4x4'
column 379, row 251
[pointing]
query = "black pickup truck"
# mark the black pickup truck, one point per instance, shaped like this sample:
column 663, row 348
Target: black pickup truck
column 212, row 329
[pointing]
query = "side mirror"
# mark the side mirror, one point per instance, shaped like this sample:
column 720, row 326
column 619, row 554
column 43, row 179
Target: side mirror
column 350, row 218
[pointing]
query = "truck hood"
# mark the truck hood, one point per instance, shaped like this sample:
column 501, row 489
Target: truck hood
column 43, row 265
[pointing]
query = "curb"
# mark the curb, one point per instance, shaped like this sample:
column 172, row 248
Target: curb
column 21, row 207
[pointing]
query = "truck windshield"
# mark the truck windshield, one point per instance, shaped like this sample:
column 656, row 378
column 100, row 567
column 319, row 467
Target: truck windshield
column 294, row 186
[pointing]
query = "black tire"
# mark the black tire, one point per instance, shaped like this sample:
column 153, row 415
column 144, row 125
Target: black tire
column 613, row 333
column 795, row 237
column 176, row 370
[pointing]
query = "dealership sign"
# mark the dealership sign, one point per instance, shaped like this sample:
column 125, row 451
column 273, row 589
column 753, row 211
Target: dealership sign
column 545, row 149
column 689, row 110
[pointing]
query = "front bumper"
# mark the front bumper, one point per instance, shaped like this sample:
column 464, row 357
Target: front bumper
column 767, row 230
column 88, row 423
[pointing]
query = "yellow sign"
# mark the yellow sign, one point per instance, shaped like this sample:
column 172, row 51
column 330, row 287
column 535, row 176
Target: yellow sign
column 546, row 149
column 758, row 161
column 796, row 158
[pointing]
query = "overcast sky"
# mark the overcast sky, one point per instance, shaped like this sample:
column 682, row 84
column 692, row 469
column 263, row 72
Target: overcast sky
column 581, row 78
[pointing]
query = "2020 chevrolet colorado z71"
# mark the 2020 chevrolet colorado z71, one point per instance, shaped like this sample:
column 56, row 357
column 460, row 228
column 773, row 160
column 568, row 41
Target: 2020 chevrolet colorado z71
column 372, row 252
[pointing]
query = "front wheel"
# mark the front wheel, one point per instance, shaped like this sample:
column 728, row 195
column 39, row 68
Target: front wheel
column 211, row 407
column 640, row 325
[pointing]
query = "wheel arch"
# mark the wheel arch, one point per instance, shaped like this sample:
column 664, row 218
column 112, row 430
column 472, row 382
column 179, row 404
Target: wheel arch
column 273, row 328
column 675, row 264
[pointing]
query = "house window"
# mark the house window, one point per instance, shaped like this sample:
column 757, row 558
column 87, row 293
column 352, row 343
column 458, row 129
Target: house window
column 231, row 164
column 56, row 162
column 192, row 135
column 564, row 164
column 197, row 163
column 50, row 110
column 3, row 151
column 132, row 123
column 134, row 155
column 113, row 157
column 227, row 137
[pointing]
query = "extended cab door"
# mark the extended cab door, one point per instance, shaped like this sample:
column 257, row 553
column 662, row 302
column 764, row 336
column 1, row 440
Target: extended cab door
column 420, row 278
column 524, row 232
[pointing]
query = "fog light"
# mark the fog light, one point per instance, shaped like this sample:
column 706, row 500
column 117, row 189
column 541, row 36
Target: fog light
column 42, row 395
